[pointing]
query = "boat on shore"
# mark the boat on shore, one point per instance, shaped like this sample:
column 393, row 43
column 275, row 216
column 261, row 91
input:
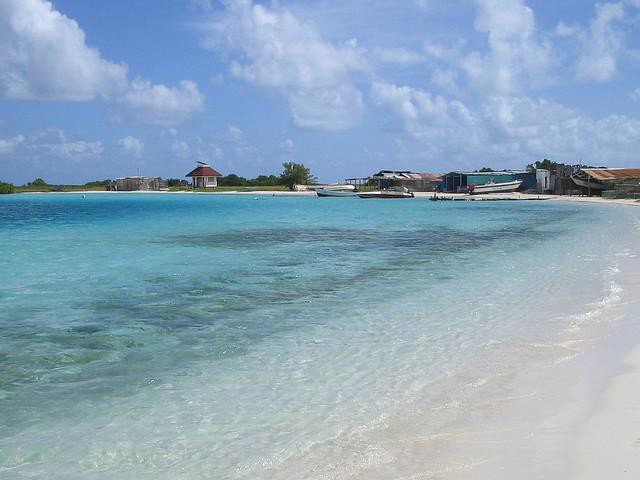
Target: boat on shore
column 337, row 191
column 393, row 192
column 583, row 180
column 493, row 187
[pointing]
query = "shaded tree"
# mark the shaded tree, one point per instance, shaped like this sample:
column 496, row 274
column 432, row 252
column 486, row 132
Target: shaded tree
column 296, row 174
column 6, row 188
column 545, row 164
column 232, row 180
column 176, row 182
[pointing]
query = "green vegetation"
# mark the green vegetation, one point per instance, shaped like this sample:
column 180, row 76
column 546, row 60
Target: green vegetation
column 39, row 185
column 545, row 164
column 485, row 169
column 296, row 174
column 176, row 183
column 292, row 174
column 6, row 188
column 233, row 180
column 236, row 188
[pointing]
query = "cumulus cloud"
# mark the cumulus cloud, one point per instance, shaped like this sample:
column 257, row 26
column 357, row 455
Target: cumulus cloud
column 51, row 142
column 161, row 105
column 45, row 57
column 275, row 49
column 601, row 44
column 131, row 145
column 518, row 58
column 431, row 118
column 509, row 130
column 9, row 145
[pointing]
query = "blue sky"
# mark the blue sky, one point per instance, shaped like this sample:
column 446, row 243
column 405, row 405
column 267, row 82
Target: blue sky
column 93, row 90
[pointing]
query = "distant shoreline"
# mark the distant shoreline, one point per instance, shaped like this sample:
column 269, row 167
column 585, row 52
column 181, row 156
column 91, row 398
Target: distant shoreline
column 422, row 195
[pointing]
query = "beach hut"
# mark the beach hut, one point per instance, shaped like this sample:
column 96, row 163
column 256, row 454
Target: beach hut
column 203, row 176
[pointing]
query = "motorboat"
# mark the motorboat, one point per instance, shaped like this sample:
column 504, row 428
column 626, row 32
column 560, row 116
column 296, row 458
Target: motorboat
column 493, row 187
column 337, row 191
column 393, row 192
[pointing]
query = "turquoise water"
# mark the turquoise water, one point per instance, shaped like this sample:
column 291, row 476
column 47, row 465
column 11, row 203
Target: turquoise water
column 192, row 336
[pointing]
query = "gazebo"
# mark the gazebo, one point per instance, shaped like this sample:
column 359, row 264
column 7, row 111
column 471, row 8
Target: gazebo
column 203, row 176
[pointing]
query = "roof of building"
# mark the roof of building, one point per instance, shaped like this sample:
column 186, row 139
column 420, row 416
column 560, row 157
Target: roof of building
column 495, row 172
column 612, row 173
column 203, row 171
column 406, row 175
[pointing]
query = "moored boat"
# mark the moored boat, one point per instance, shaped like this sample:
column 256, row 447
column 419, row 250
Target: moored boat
column 337, row 191
column 493, row 187
column 394, row 192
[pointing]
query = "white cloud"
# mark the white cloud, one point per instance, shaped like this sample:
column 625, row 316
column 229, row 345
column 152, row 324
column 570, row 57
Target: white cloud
column 635, row 95
column 511, row 131
column 51, row 142
column 518, row 58
column 601, row 45
column 279, row 51
column 439, row 123
column 45, row 57
column 161, row 105
column 131, row 145
column 9, row 145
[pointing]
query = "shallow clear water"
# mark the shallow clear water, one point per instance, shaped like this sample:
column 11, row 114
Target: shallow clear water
column 186, row 336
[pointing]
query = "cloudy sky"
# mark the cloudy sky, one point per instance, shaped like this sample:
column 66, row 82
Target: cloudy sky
column 92, row 90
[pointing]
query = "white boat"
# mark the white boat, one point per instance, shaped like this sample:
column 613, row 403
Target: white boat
column 337, row 191
column 493, row 187
column 393, row 192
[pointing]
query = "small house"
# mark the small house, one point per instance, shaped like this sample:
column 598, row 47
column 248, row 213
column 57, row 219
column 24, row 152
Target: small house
column 203, row 176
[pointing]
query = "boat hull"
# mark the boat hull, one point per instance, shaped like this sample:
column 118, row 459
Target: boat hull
column 588, row 184
column 385, row 195
column 496, row 187
column 322, row 192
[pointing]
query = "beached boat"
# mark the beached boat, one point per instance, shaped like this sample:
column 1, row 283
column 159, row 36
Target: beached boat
column 493, row 187
column 337, row 191
column 393, row 192
column 583, row 180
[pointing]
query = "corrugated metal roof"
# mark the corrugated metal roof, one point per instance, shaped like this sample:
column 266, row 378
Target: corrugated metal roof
column 612, row 173
column 495, row 172
column 405, row 175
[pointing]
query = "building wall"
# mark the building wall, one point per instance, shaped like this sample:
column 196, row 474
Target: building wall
column 132, row 184
column 205, row 182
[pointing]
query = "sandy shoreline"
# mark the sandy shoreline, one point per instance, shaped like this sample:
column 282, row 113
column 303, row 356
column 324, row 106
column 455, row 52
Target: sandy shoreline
column 419, row 195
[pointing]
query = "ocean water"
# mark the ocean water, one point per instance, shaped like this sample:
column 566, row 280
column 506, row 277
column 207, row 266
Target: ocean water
column 239, row 337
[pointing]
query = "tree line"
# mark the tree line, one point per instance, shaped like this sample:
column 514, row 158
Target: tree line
column 292, row 174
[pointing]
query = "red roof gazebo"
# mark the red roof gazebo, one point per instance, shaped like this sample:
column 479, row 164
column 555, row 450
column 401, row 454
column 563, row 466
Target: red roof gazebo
column 203, row 176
